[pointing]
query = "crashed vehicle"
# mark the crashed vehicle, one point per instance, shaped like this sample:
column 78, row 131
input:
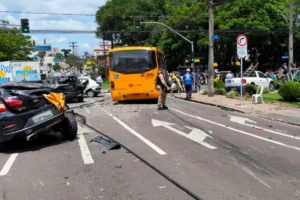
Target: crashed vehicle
column 29, row 109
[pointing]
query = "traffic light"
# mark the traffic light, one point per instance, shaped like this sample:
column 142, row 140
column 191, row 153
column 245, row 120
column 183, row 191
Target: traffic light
column 25, row 26
column 192, row 58
column 137, row 23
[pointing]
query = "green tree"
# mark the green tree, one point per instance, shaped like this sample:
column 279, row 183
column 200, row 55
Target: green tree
column 56, row 67
column 13, row 45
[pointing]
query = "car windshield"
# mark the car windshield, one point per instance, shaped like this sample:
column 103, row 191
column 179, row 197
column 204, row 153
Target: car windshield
column 135, row 61
column 67, row 80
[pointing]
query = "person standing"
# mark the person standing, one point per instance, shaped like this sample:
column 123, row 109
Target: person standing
column 188, row 81
column 229, row 75
column 99, row 80
column 162, row 87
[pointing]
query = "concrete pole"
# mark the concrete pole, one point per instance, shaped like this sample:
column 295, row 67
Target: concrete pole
column 291, row 36
column 211, row 51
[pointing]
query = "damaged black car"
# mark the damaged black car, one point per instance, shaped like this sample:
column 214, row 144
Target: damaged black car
column 26, row 112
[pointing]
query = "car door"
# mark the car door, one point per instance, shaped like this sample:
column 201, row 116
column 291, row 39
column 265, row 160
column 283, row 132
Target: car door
column 263, row 80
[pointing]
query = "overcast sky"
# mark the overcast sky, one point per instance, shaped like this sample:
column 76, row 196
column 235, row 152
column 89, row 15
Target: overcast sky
column 85, row 42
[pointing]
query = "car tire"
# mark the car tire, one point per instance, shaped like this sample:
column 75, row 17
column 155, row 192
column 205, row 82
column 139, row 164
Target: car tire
column 69, row 127
column 271, row 87
column 90, row 93
column 96, row 94
column 80, row 99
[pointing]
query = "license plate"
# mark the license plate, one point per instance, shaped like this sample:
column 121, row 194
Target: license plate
column 43, row 116
column 228, row 81
column 136, row 95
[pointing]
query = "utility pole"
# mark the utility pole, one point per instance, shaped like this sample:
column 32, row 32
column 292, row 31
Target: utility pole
column 211, row 51
column 291, row 36
column 73, row 45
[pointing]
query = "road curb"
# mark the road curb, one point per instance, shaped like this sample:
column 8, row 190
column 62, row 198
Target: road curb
column 213, row 104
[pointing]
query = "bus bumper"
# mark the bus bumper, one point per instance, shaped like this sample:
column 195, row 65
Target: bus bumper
column 134, row 95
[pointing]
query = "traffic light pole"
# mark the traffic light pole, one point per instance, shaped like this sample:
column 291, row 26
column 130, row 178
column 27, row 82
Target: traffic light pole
column 192, row 43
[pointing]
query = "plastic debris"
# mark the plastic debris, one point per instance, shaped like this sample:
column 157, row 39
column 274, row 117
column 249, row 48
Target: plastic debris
column 103, row 150
column 259, row 129
column 270, row 126
column 107, row 143
column 118, row 166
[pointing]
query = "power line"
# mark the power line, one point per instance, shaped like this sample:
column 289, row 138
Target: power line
column 143, row 15
column 46, row 13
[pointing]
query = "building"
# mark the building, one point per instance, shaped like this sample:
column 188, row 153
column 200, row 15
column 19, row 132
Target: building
column 102, row 50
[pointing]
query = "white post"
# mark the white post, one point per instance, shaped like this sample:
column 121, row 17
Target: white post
column 241, row 81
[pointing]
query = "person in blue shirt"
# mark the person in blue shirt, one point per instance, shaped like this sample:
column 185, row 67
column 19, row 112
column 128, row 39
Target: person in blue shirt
column 188, row 82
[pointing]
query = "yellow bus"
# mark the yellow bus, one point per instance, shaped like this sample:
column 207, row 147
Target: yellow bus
column 133, row 72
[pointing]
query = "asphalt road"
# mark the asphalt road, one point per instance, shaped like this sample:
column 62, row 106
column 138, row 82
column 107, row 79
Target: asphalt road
column 213, row 153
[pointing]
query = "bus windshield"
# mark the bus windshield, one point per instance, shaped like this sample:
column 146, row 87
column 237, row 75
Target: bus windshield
column 133, row 61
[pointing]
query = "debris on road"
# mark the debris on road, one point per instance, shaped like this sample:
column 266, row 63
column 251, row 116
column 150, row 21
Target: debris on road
column 260, row 129
column 108, row 143
column 270, row 138
column 103, row 150
column 162, row 187
column 118, row 166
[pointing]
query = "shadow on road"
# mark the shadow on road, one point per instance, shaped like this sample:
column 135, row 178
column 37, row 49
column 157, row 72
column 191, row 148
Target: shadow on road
column 20, row 145
column 136, row 102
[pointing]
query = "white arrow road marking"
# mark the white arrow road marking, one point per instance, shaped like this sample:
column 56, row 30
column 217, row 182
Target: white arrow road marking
column 8, row 164
column 242, row 120
column 150, row 144
column 237, row 130
column 195, row 135
column 199, row 136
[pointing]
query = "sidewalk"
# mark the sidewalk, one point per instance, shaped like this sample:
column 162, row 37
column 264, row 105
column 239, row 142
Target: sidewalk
column 268, row 111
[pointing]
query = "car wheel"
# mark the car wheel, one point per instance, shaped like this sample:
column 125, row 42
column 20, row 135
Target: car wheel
column 69, row 127
column 90, row 93
column 96, row 94
column 271, row 87
column 80, row 99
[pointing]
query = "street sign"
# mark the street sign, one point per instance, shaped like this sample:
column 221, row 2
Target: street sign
column 215, row 37
column 285, row 57
column 242, row 42
column 43, row 48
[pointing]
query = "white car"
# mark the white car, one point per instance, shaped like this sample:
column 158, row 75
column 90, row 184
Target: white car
column 90, row 87
column 256, row 78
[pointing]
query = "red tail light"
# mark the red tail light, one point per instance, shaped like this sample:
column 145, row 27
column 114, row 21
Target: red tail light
column 13, row 101
column 244, row 81
column 112, row 85
column 2, row 108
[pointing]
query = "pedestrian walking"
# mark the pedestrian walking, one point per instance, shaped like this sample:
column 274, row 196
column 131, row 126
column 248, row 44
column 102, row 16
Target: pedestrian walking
column 161, row 85
column 188, row 81
column 198, row 85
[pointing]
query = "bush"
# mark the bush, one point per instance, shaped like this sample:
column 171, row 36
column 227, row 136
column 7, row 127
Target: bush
column 219, row 84
column 290, row 91
column 219, row 91
column 205, row 92
column 276, row 84
column 232, row 94
column 250, row 89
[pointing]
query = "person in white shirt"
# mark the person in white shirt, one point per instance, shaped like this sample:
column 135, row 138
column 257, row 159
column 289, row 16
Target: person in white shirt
column 99, row 80
column 229, row 75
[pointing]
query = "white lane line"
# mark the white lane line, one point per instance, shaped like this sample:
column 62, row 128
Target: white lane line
column 248, row 171
column 263, row 129
column 86, row 110
column 150, row 144
column 239, row 131
column 8, row 164
column 85, row 152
